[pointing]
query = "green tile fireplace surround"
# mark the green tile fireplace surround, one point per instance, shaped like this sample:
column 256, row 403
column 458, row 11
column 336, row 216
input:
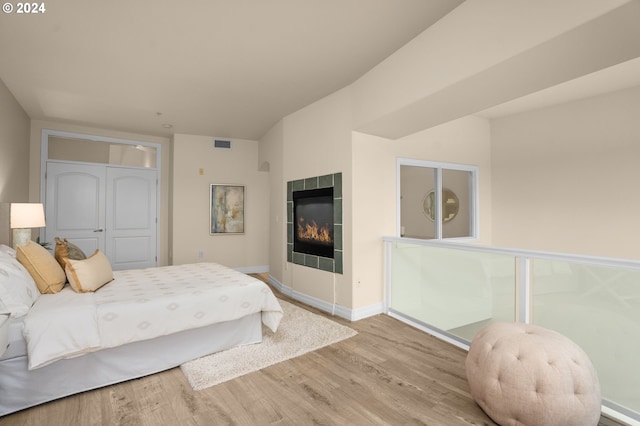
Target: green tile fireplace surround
column 312, row 261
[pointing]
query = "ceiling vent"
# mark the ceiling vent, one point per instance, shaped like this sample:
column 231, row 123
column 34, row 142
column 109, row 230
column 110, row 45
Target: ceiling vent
column 221, row 143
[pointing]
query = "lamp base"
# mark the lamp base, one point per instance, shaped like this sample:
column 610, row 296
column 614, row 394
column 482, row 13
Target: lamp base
column 21, row 237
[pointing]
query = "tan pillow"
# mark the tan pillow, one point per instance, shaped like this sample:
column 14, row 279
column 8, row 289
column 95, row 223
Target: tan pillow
column 66, row 249
column 89, row 274
column 42, row 267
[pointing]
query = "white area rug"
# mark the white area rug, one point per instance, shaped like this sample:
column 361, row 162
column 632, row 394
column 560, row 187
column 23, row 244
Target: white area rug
column 299, row 332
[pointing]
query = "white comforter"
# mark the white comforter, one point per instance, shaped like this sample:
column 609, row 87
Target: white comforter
column 143, row 304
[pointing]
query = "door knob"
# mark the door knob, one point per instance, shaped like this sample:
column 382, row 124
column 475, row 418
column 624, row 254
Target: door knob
column 98, row 230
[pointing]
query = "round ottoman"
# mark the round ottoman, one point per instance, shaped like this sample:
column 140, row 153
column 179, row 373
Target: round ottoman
column 522, row 374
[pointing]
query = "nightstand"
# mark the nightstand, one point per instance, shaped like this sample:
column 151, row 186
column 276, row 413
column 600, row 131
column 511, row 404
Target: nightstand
column 4, row 333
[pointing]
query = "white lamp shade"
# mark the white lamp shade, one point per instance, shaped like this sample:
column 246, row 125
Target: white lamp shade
column 27, row 215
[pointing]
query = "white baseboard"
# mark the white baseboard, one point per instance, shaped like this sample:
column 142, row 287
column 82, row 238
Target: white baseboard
column 334, row 309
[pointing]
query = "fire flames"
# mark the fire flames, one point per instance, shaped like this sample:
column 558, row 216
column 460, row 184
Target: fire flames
column 311, row 231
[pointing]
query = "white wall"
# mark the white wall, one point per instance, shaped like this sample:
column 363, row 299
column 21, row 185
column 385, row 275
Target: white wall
column 565, row 178
column 190, row 206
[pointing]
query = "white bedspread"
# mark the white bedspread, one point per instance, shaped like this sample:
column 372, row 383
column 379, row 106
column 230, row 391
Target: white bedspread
column 143, row 304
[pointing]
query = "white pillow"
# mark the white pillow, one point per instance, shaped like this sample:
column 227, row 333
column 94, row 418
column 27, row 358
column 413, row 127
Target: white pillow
column 7, row 250
column 18, row 291
column 88, row 274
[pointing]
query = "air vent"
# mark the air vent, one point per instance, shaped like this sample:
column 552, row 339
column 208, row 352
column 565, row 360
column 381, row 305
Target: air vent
column 220, row 143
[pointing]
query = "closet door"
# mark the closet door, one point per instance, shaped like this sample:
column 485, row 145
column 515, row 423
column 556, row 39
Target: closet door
column 75, row 204
column 131, row 219
column 96, row 206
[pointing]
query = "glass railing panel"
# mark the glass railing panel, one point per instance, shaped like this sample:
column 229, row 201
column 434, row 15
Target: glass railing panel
column 451, row 290
column 598, row 308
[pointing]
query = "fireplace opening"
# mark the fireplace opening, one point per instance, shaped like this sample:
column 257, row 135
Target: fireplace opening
column 313, row 222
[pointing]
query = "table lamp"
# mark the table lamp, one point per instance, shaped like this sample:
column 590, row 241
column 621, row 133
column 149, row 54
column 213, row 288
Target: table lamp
column 25, row 216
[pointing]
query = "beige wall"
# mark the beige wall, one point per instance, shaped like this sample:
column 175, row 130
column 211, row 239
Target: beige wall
column 463, row 141
column 14, row 149
column 271, row 156
column 460, row 65
column 374, row 214
column 443, row 54
column 436, row 78
column 190, row 206
column 34, row 176
column 316, row 142
column 14, row 158
column 565, row 178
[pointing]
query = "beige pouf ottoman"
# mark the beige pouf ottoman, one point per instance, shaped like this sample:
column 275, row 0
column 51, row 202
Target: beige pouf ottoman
column 522, row 374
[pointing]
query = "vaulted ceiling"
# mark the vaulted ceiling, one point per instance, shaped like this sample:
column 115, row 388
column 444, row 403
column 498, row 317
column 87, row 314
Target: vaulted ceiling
column 211, row 67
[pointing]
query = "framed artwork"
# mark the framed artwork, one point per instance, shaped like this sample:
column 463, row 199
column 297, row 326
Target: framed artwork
column 226, row 209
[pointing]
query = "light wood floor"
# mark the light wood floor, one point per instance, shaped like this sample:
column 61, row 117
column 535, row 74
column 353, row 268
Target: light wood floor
column 389, row 374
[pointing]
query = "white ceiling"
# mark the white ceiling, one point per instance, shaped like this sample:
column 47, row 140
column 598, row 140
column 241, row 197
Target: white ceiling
column 226, row 68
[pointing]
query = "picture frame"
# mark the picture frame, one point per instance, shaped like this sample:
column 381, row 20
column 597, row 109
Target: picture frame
column 226, row 204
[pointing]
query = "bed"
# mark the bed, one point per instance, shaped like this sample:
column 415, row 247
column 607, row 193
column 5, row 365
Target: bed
column 139, row 323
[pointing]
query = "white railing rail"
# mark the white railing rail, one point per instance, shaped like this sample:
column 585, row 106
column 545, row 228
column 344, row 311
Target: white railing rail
column 437, row 285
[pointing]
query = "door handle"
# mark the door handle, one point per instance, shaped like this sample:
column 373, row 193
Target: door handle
column 98, row 230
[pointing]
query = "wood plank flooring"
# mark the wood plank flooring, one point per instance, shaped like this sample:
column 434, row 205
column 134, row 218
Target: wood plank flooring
column 389, row 374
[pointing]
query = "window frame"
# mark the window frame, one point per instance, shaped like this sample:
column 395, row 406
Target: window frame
column 439, row 166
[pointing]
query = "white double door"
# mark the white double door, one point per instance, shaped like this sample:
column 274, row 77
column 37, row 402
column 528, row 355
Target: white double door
column 110, row 208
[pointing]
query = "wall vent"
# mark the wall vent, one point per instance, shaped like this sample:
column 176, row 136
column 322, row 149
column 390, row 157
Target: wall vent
column 221, row 143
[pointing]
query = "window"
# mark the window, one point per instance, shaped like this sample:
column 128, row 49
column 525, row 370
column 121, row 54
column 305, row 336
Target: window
column 437, row 200
column 65, row 146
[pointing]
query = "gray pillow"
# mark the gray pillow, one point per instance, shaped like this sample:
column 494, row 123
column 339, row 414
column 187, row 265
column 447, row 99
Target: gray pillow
column 65, row 249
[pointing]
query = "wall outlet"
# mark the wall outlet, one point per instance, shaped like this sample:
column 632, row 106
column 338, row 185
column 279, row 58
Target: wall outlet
column 200, row 254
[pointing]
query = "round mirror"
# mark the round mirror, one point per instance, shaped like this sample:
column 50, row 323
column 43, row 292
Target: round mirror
column 450, row 205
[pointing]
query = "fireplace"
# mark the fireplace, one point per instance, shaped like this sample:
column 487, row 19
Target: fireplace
column 313, row 222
